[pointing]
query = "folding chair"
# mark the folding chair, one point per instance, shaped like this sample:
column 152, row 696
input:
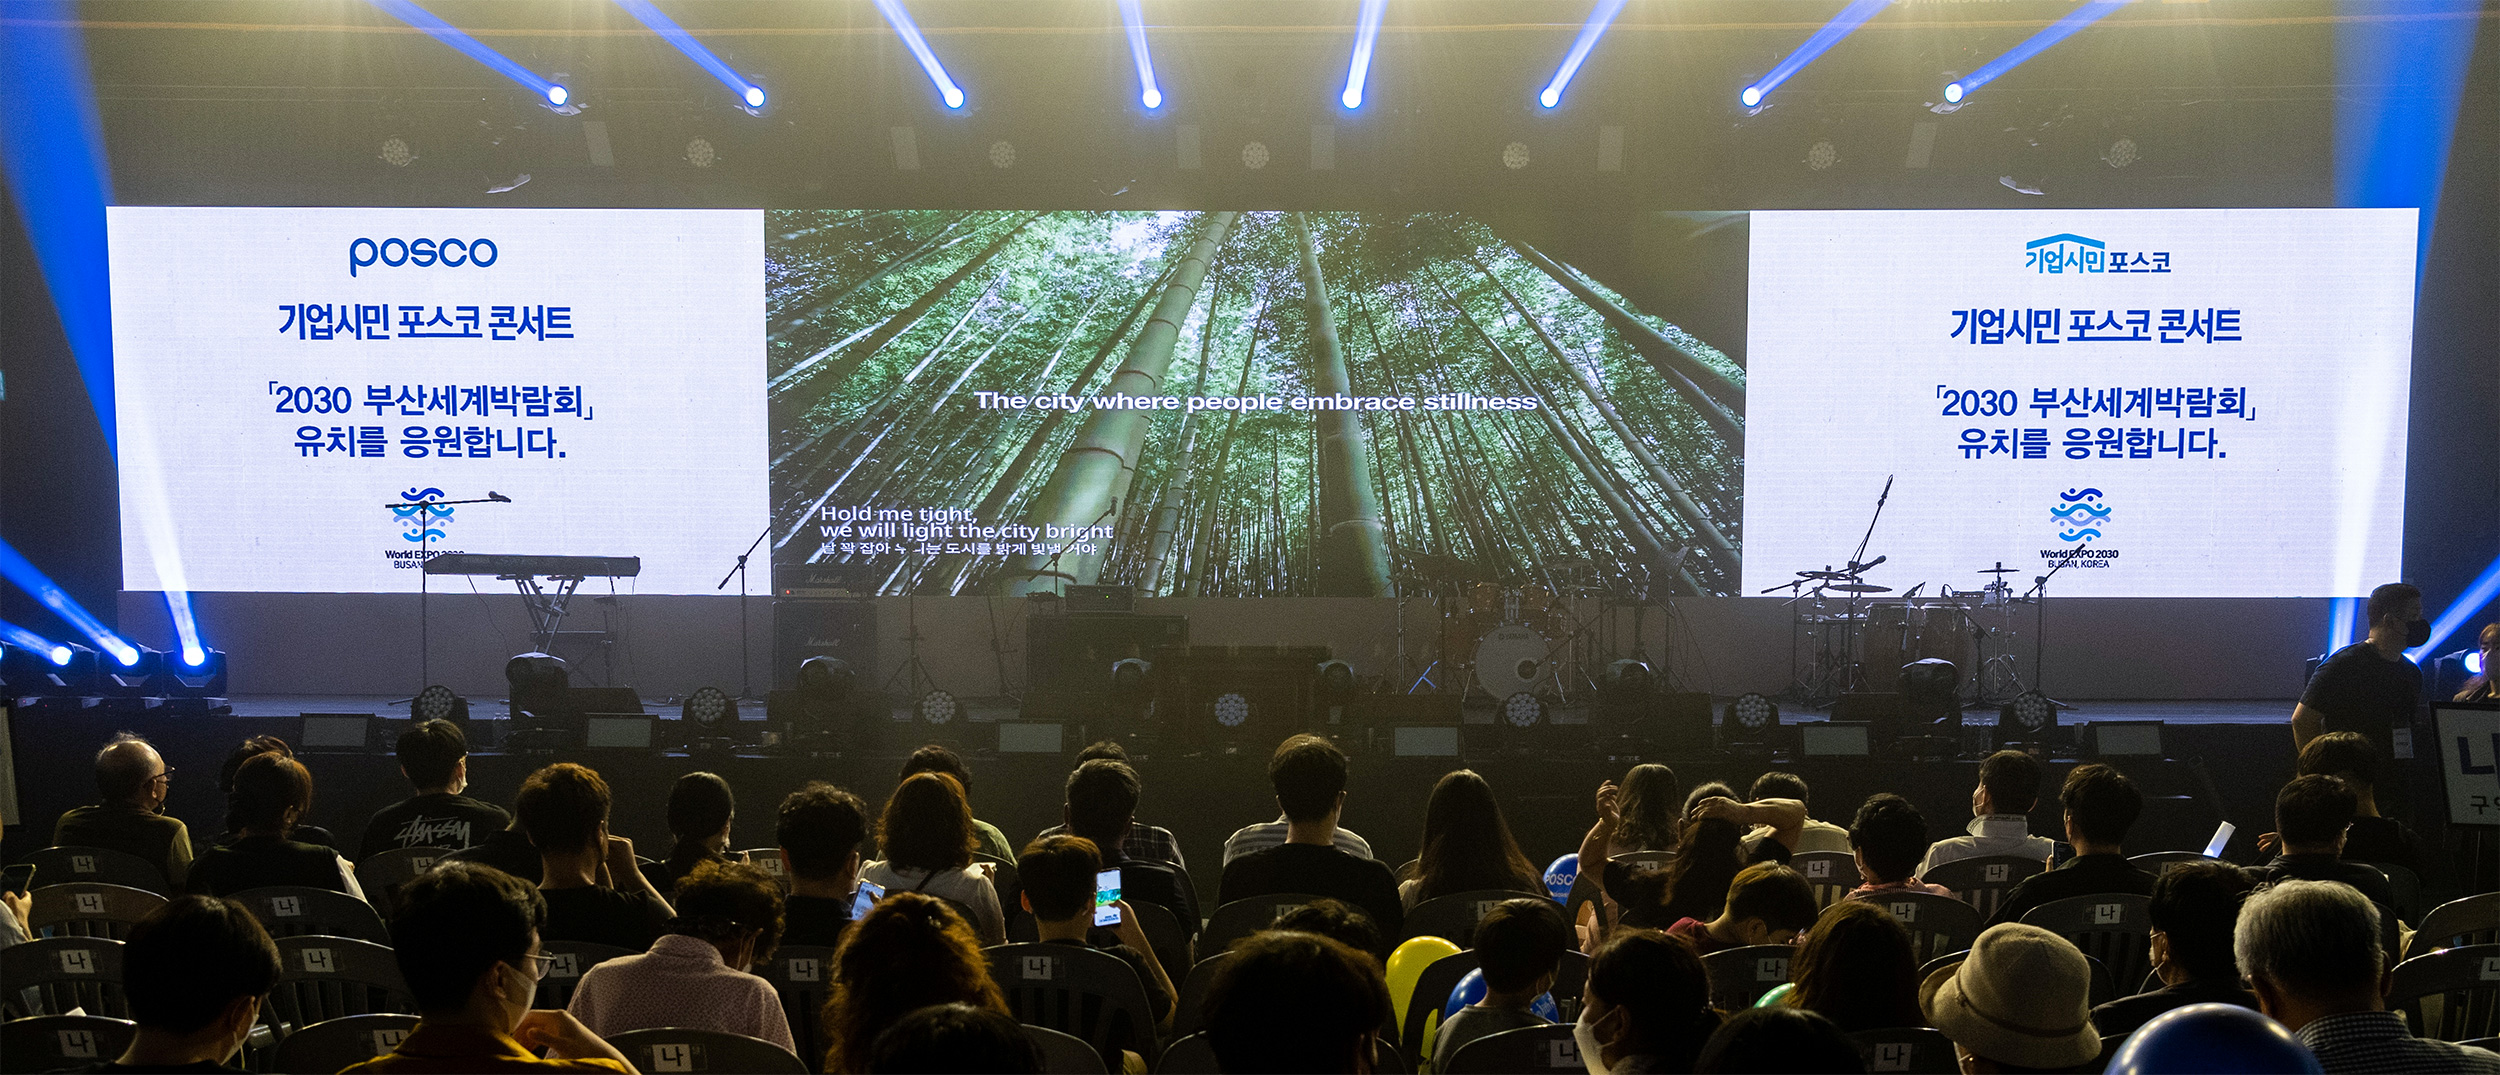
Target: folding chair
column 1453, row 917
column 1064, row 1054
column 88, row 909
column 333, row 1044
column 572, row 960
column 683, row 1049
column 1432, row 993
column 1983, row 882
column 299, row 911
column 1093, row 995
column 1190, row 1055
column 768, row 859
column 2114, row 928
column 60, row 1042
column 382, row 873
column 1739, row 976
column 1241, row 918
column 1916, row 1050
column 326, row 978
column 1528, row 1049
column 1192, row 1002
column 1654, row 860
column 102, row 865
column 2452, row 994
column 1937, row 924
column 802, row 975
column 1163, row 934
column 53, row 975
column 2472, row 920
column 1832, row 873
column 2407, row 886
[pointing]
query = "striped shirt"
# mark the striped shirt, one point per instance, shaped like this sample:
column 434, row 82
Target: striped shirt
column 1144, row 843
column 2365, row 1043
column 1272, row 834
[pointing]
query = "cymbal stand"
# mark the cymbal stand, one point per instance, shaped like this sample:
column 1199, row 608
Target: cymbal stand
column 2039, row 619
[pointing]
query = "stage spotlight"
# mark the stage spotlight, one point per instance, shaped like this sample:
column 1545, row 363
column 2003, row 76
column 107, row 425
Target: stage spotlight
column 395, row 152
column 1602, row 16
column 49, row 670
column 1254, row 156
column 1822, row 155
column 2445, row 676
column 538, row 683
column 699, row 152
column 937, row 707
column 1515, row 156
column 438, row 702
column 1850, row 18
column 204, row 677
column 1148, row 93
column 904, row 28
column 1231, row 709
column 1753, row 712
column 755, row 97
column 1358, row 70
column 1523, row 710
column 710, row 709
column 1752, row 97
column 1953, row 93
column 2026, row 719
column 2121, row 153
column 557, row 95
column 1002, row 154
column 408, row 12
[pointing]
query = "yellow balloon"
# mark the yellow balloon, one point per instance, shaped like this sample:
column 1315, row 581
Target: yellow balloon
column 1407, row 964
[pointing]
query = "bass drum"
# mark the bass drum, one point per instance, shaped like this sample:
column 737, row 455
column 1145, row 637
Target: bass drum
column 1511, row 659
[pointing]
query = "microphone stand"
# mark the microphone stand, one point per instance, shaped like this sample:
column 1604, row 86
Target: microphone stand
column 746, row 663
column 425, row 556
column 2039, row 620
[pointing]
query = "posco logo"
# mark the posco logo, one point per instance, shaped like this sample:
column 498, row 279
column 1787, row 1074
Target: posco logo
column 366, row 253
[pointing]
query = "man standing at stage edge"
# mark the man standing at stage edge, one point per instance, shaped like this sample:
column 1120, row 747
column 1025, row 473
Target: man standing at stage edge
column 2369, row 687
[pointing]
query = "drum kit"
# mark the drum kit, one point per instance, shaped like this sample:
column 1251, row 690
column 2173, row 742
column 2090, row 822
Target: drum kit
column 1846, row 634
column 1513, row 638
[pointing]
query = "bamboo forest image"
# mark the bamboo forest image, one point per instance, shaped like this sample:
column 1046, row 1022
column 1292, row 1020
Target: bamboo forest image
column 1234, row 404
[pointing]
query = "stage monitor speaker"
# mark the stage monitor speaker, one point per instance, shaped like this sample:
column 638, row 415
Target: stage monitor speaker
column 617, row 731
column 1384, row 710
column 335, row 733
column 1427, row 741
column 2126, row 738
column 1835, row 738
column 824, row 628
column 1023, row 737
column 1072, row 652
column 605, row 701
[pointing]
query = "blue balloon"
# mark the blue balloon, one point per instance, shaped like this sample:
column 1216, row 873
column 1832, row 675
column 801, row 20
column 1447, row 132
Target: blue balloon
column 2224, row 1039
column 1560, row 876
column 1469, row 990
column 1544, row 1005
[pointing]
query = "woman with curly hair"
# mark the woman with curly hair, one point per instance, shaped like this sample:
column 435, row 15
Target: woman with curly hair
column 1646, row 809
column 908, row 952
column 695, row 975
column 1467, row 844
column 1857, row 967
column 928, row 839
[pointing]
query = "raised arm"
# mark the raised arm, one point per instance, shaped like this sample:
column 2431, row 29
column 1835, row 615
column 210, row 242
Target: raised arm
column 1786, row 817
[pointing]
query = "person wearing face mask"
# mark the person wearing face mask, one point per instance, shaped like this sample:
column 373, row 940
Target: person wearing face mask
column 194, row 971
column 695, row 975
column 1646, row 1007
column 466, row 938
column 2370, row 686
column 131, row 781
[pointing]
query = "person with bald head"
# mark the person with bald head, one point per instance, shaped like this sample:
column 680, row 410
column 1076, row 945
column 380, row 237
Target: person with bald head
column 131, row 781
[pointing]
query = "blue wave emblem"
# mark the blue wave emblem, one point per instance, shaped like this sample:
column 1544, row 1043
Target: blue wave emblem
column 2076, row 513
column 2081, row 494
column 423, row 536
column 2085, row 534
column 424, row 523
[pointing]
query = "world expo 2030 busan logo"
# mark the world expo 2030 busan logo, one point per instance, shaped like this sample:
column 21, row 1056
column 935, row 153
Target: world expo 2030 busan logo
column 2080, row 515
column 419, row 523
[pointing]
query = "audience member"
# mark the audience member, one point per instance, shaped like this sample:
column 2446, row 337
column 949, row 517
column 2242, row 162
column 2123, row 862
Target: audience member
column 819, row 831
column 1815, row 835
column 246, row 751
column 908, row 952
column 1767, row 903
column 1336, row 920
column 1519, row 945
column 928, row 838
column 2310, row 951
column 131, row 782
column 1309, row 775
column 1310, row 766
column 701, row 809
column 1295, row 1002
column 271, row 792
column 193, row 972
column 1858, row 967
column 1890, row 837
column 1777, row 1040
column 1646, row 1006
column 2485, row 686
column 434, row 757
column 1058, row 874
column 2019, row 1002
column 1646, row 811
column 938, row 759
column 466, row 937
column 2000, row 807
column 2195, row 907
column 2310, row 815
column 1467, row 845
column 2372, row 838
column 1143, row 842
column 1101, row 806
column 2101, row 804
column 2370, row 686
column 594, row 893
column 507, row 849
column 695, row 975
column 943, row 1039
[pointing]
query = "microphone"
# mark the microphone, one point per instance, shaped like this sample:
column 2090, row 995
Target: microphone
column 1870, row 563
column 498, row 497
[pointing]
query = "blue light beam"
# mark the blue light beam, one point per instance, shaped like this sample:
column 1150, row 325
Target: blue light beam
column 650, row 15
column 1148, row 93
column 2091, row 12
column 18, row 569
column 18, row 636
column 1850, row 18
column 1599, row 20
column 408, row 12
column 904, row 28
column 1366, row 32
column 2477, row 594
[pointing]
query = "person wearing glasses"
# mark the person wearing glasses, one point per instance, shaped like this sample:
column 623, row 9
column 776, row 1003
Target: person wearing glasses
column 131, row 782
column 466, row 937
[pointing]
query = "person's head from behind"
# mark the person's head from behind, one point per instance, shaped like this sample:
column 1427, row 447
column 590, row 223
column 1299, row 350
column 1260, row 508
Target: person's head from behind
column 2312, row 812
column 1102, row 750
column 928, row 825
column 1765, row 1041
column 945, row 1038
column 2393, row 607
column 2101, row 804
column 1857, row 966
column 1308, row 773
column 129, row 771
column 1647, row 995
column 734, row 905
column 272, row 793
column 2347, row 756
column 700, row 810
column 1696, row 882
column 1648, row 804
column 1057, row 873
column 820, row 829
column 1778, row 785
column 1295, row 1002
column 246, row 751
column 2309, row 949
column 2195, row 907
column 1467, row 844
column 935, row 758
column 909, row 951
column 564, row 809
column 1890, row 837
column 1101, row 799
column 1767, row 903
column 465, row 936
column 194, row 971
column 1709, row 789
column 1519, row 943
column 1336, row 920
column 2021, row 1001
column 434, row 756
column 2009, row 783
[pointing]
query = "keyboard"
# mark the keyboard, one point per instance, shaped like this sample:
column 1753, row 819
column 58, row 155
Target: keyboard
column 511, row 566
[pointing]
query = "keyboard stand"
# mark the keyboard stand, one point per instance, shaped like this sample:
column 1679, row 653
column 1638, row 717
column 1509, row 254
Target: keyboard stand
column 546, row 606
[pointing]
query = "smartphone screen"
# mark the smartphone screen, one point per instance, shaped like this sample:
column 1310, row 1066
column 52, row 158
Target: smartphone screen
column 18, row 878
column 1107, row 897
column 2222, row 839
column 867, row 896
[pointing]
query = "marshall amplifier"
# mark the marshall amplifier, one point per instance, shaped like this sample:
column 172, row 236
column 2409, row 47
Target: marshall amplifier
column 805, row 628
column 824, row 580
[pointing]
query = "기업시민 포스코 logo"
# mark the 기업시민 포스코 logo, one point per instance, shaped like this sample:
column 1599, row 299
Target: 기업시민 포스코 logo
column 2080, row 515
column 2068, row 253
column 420, row 523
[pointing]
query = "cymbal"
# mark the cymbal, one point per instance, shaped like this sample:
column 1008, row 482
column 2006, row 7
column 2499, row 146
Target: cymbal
column 1825, row 575
column 2000, row 570
column 1857, row 587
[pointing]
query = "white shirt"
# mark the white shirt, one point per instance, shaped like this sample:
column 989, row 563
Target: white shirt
column 1990, row 834
column 1270, row 834
column 967, row 887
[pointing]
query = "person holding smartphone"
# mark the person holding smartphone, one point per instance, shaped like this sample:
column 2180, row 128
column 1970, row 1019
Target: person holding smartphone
column 1062, row 877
